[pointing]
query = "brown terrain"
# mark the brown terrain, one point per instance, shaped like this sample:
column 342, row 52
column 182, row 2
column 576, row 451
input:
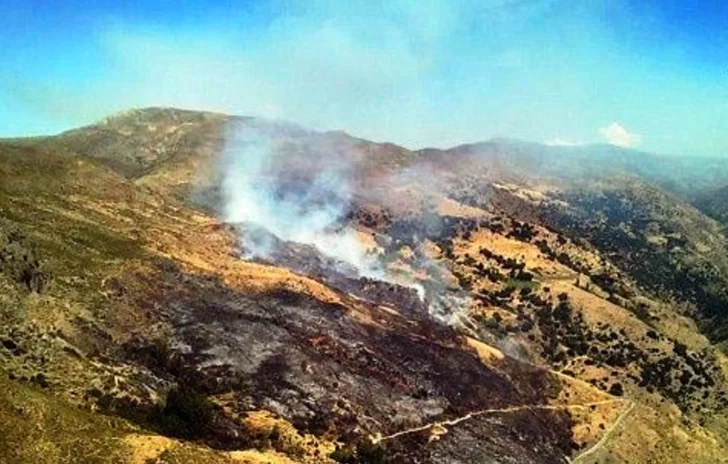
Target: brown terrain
column 572, row 313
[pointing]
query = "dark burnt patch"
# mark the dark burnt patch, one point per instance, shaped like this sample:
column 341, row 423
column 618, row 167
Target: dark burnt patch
column 492, row 438
column 324, row 371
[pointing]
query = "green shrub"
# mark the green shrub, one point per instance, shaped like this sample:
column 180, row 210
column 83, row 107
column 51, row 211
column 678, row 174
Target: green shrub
column 516, row 284
column 186, row 413
column 363, row 452
column 370, row 453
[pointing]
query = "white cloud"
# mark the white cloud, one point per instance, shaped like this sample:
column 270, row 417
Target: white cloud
column 616, row 134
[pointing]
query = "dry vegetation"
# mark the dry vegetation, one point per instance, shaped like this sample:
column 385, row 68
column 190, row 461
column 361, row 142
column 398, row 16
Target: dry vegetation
column 131, row 331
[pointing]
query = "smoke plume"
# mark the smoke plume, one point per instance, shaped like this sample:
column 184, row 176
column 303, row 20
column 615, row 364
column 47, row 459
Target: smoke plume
column 294, row 189
column 284, row 186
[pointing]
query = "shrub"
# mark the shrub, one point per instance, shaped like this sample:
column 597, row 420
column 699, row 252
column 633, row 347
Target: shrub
column 616, row 389
column 363, row 452
column 186, row 413
column 344, row 455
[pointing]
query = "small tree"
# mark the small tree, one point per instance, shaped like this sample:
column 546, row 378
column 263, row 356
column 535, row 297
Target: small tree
column 186, row 413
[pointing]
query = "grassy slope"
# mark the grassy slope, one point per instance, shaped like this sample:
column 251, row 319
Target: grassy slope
column 87, row 227
column 79, row 220
column 37, row 428
column 82, row 220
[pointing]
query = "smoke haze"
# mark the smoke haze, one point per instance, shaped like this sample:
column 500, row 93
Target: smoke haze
column 417, row 73
column 307, row 208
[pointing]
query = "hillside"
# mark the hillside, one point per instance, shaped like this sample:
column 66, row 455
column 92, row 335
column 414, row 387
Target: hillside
column 714, row 203
column 513, row 309
column 681, row 176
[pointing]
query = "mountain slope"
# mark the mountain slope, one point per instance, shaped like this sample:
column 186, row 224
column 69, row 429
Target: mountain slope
column 681, row 176
column 569, row 327
column 140, row 293
column 714, row 203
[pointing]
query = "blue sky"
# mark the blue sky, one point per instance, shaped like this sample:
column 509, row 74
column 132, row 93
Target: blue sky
column 650, row 74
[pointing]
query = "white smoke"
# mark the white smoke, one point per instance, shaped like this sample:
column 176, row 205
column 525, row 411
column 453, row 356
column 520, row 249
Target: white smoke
column 262, row 190
column 283, row 183
column 617, row 134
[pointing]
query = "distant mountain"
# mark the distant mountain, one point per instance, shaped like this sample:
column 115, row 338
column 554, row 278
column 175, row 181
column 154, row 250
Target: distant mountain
column 683, row 176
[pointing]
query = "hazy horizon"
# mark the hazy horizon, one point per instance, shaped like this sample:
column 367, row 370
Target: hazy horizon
column 647, row 75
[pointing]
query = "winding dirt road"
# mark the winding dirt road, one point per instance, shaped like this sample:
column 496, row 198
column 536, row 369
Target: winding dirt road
column 606, row 435
column 440, row 428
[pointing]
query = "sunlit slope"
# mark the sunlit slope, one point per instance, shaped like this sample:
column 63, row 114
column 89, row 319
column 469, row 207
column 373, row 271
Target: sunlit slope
column 140, row 296
column 120, row 286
